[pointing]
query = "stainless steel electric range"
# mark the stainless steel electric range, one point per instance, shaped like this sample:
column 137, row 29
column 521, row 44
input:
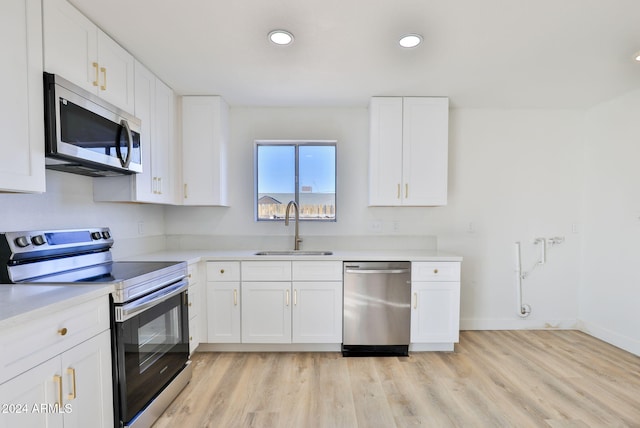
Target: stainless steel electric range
column 149, row 311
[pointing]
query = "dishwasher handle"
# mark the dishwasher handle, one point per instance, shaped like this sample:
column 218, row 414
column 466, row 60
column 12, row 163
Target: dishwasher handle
column 355, row 269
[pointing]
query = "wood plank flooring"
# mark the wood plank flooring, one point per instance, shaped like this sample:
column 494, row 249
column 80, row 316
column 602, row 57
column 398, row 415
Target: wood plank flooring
column 493, row 379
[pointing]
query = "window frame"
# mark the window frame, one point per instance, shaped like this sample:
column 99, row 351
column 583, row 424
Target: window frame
column 296, row 144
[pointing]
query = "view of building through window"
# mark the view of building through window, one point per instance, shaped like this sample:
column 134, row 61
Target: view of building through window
column 280, row 165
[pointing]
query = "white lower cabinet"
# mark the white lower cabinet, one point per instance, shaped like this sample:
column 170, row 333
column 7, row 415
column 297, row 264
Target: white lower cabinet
column 223, row 302
column 435, row 303
column 197, row 315
column 70, row 390
column 55, row 370
column 277, row 302
column 266, row 312
column 317, row 312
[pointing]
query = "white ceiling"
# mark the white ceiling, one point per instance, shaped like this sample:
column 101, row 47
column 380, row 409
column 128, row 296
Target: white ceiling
column 480, row 53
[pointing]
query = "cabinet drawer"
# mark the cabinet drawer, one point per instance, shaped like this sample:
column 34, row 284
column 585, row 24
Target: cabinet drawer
column 266, row 271
column 223, row 271
column 28, row 345
column 192, row 273
column 435, row 271
column 317, row 270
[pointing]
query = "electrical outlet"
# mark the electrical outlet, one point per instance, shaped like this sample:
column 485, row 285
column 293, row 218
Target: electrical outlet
column 375, row 226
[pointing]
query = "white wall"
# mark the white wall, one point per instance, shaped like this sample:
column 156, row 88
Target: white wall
column 610, row 294
column 68, row 203
column 514, row 176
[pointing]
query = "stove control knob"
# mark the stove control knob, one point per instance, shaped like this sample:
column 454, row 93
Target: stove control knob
column 106, row 235
column 38, row 240
column 96, row 235
column 22, row 241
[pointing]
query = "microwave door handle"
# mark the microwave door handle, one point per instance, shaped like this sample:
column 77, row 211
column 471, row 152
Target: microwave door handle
column 125, row 162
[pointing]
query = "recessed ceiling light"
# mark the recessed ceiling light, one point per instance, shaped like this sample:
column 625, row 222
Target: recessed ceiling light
column 636, row 56
column 281, row 37
column 410, row 40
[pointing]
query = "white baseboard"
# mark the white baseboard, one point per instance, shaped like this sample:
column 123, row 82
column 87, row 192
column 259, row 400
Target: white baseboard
column 518, row 324
column 618, row 340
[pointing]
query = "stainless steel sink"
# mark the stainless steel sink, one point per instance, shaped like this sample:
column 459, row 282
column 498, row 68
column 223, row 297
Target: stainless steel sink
column 294, row 253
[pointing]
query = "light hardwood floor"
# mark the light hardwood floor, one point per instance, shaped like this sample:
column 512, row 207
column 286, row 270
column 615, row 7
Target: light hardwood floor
column 493, row 379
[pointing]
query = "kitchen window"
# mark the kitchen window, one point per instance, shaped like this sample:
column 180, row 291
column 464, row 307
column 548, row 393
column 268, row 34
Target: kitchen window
column 301, row 171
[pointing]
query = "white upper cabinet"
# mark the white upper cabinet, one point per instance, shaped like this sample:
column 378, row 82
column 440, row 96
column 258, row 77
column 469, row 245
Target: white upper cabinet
column 79, row 51
column 22, row 144
column 205, row 136
column 408, row 151
column 155, row 107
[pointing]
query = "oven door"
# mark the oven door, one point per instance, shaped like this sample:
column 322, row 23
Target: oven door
column 151, row 346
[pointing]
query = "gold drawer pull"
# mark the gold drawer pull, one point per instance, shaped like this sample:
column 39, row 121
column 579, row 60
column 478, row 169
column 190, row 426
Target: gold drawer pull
column 95, row 81
column 72, row 373
column 58, row 379
column 63, row 331
column 103, row 87
column 222, row 271
column 435, row 271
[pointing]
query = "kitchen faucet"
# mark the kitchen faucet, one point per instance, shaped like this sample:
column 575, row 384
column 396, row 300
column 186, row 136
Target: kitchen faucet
column 298, row 240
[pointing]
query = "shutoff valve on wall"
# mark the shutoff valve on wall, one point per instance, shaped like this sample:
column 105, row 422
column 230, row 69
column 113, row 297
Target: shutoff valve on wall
column 524, row 310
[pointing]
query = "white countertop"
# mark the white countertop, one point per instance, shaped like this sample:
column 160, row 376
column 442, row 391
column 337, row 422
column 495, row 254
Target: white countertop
column 20, row 303
column 194, row 256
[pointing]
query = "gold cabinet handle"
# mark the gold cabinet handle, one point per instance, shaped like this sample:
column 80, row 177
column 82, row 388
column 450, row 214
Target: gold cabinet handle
column 287, row 298
column 221, row 271
column 63, row 331
column 103, row 87
column 58, row 379
column 95, row 67
column 185, row 191
column 398, row 195
column 295, row 297
column 415, row 300
column 435, row 271
column 235, row 297
column 406, row 190
column 72, row 373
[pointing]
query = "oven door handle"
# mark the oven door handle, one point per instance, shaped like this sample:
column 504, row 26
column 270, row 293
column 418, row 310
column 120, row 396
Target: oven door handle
column 134, row 308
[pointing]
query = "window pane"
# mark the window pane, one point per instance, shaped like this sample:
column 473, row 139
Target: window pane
column 317, row 182
column 276, row 180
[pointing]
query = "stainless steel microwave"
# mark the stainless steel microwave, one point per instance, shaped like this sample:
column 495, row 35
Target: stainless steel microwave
column 86, row 135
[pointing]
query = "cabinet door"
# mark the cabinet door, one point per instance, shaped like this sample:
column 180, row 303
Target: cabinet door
column 162, row 144
column 385, row 151
column 223, row 312
column 87, row 383
column 39, row 387
column 70, row 44
column 116, row 74
column 425, row 133
column 317, row 312
column 435, row 312
column 266, row 312
column 195, row 308
column 145, row 101
column 22, row 145
column 205, row 135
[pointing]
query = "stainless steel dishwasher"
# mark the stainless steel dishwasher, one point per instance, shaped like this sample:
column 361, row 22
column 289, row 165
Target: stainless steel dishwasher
column 377, row 308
